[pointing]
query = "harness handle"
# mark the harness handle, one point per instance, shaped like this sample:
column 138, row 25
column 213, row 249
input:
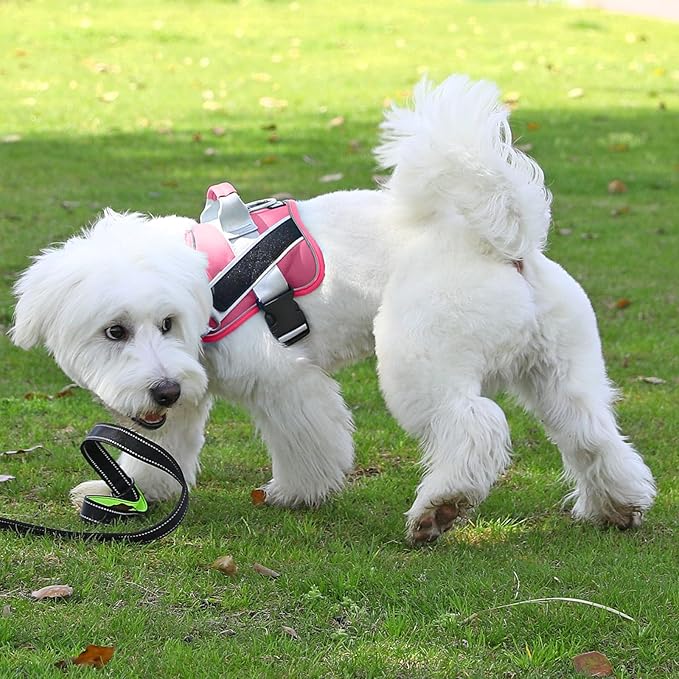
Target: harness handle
column 224, row 206
column 127, row 499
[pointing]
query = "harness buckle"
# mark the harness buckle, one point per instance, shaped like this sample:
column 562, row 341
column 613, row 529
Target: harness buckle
column 285, row 319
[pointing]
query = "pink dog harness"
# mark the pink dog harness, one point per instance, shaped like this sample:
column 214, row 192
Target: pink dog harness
column 260, row 256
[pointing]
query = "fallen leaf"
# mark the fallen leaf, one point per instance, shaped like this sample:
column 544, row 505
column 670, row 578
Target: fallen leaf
column 333, row 177
column 619, row 147
column 565, row 231
column 269, row 160
column 11, row 138
column 512, row 98
column 6, row 611
column 263, row 570
column 310, row 160
column 273, row 138
column 66, row 391
column 258, row 496
column 210, row 151
column 593, row 664
column 272, row 103
column 219, row 131
column 70, row 204
column 291, row 632
column 52, row 592
column 354, row 145
column 617, row 186
column 576, row 93
column 197, row 136
column 533, row 126
column 618, row 211
column 337, row 121
column 109, row 97
column 622, row 303
column 21, row 451
column 225, row 564
column 650, row 380
column 6, row 477
column 270, row 127
column 92, row 656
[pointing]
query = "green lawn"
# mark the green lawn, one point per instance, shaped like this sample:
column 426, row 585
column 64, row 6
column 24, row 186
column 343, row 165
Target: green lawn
column 141, row 106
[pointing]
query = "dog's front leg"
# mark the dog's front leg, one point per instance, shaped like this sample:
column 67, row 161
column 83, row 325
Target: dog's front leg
column 308, row 429
column 182, row 436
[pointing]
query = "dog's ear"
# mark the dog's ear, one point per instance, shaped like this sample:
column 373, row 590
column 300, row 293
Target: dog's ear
column 39, row 291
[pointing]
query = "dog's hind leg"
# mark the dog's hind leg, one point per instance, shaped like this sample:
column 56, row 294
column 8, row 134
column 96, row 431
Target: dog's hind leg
column 569, row 391
column 465, row 442
column 432, row 367
column 307, row 429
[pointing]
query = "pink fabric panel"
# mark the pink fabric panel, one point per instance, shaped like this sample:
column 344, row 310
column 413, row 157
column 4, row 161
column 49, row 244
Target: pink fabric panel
column 217, row 248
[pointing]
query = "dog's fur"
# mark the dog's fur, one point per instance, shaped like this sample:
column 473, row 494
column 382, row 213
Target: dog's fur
column 440, row 272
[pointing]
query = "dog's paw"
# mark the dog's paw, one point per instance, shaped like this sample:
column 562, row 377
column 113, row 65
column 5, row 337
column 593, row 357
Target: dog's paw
column 432, row 523
column 623, row 518
column 276, row 495
column 77, row 494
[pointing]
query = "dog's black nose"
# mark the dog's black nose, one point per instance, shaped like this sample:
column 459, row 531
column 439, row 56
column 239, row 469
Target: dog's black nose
column 166, row 393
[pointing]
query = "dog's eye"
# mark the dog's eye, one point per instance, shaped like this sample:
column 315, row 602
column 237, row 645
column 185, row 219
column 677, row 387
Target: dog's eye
column 116, row 333
column 166, row 325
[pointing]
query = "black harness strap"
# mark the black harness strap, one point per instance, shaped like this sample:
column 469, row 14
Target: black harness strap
column 236, row 280
column 126, row 498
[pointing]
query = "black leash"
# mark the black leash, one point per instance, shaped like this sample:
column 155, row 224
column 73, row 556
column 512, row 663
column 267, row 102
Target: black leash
column 126, row 499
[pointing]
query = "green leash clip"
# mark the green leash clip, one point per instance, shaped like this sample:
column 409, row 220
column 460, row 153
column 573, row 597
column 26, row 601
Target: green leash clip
column 138, row 506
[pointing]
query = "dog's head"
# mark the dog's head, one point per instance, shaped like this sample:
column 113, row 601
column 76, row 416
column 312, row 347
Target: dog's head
column 121, row 307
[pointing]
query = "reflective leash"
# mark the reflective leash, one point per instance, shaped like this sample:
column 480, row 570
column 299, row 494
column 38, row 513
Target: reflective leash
column 126, row 499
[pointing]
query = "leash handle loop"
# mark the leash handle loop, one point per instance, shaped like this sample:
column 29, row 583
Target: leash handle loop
column 126, row 498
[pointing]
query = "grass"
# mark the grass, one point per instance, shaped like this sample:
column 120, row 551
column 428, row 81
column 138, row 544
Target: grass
column 117, row 104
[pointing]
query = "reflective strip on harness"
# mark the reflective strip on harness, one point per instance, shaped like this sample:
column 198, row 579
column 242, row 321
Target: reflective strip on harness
column 260, row 256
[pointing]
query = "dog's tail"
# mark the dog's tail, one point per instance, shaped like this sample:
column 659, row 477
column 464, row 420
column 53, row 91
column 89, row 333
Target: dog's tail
column 452, row 154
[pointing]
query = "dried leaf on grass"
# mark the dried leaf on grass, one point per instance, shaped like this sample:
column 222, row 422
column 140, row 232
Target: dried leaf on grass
column 333, row 177
column 225, row 564
column 92, row 656
column 6, row 611
column 22, row 451
column 622, row 303
column 6, row 477
column 66, row 391
column 617, row 186
column 593, row 664
column 267, row 572
column 650, row 379
column 291, row 632
column 53, row 592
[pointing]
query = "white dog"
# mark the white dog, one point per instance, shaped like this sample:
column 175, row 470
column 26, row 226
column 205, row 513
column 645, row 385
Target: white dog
column 441, row 273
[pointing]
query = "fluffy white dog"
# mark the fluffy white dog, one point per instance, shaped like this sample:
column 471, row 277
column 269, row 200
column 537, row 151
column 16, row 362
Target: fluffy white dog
column 441, row 273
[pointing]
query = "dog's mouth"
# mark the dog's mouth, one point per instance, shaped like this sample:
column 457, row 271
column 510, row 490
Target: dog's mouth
column 151, row 420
